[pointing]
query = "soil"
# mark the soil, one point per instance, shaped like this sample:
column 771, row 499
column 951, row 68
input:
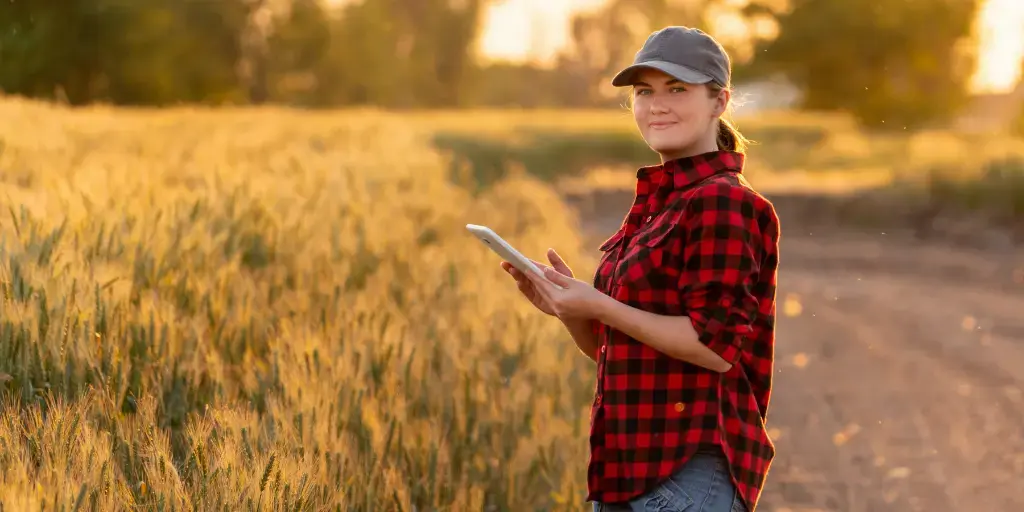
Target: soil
column 899, row 368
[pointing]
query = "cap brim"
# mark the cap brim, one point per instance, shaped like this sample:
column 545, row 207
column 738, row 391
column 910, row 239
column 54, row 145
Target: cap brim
column 682, row 73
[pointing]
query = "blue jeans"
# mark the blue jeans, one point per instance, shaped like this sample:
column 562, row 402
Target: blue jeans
column 702, row 485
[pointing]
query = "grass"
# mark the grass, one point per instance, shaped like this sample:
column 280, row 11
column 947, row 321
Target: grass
column 915, row 174
column 998, row 188
column 281, row 310
column 551, row 145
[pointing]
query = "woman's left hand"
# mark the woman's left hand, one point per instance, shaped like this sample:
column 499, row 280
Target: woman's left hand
column 576, row 300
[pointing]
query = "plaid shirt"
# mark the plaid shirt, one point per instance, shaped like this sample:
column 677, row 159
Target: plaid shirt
column 697, row 242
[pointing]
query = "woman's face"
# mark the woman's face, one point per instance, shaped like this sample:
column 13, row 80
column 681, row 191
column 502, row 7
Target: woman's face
column 676, row 119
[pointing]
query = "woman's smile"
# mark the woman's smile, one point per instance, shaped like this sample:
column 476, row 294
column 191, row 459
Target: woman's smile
column 661, row 125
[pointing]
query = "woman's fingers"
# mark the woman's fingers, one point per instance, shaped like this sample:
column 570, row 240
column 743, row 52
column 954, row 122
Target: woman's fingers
column 514, row 272
column 541, row 285
column 558, row 263
column 525, row 285
column 540, row 265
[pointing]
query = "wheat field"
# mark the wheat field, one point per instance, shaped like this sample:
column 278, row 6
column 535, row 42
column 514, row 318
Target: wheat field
column 272, row 310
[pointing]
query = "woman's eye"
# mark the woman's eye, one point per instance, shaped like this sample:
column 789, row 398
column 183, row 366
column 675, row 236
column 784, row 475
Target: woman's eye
column 641, row 92
column 678, row 89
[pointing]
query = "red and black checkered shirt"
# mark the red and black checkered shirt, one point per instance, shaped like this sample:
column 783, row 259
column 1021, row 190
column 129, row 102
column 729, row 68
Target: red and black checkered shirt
column 697, row 242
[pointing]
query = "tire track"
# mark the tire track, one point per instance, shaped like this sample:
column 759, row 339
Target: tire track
column 924, row 411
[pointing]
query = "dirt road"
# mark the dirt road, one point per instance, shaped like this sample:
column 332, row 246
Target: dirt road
column 900, row 373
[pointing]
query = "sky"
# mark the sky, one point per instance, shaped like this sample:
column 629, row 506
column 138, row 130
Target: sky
column 520, row 30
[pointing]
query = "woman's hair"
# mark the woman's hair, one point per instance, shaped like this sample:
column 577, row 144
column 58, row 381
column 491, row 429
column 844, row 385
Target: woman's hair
column 729, row 137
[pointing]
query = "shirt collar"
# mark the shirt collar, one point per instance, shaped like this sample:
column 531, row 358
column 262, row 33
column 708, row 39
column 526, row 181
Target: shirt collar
column 691, row 169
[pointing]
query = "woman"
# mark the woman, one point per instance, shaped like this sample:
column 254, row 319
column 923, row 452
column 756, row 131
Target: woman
column 681, row 317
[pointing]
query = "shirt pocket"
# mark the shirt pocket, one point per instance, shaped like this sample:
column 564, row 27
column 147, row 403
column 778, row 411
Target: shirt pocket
column 651, row 264
column 612, row 241
column 606, row 266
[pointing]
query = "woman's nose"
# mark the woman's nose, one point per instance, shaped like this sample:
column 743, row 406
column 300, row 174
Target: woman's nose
column 657, row 105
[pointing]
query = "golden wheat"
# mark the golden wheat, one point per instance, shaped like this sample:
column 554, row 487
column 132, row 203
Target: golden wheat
column 266, row 309
column 271, row 310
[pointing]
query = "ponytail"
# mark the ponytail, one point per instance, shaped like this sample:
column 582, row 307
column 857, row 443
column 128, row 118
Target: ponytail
column 729, row 137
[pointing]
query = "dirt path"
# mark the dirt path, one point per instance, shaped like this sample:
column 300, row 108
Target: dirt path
column 900, row 374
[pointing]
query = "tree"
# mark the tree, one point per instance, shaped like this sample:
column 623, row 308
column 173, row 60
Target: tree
column 297, row 48
column 405, row 53
column 131, row 52
column 604, row 41
column 49, row 48
column 892, row 64
column 169, row 51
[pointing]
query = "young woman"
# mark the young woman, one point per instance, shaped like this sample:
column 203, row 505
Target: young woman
column 681, row 315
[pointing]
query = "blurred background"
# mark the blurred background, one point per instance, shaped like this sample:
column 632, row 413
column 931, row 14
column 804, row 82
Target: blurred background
column 907, row 62
column 234, row 272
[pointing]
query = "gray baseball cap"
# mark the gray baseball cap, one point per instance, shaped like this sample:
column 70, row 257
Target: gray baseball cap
column 687, row 54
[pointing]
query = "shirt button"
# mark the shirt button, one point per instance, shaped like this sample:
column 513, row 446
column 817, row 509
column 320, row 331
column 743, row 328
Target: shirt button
column 604, row 348
column 649, row 217
column 680, row 406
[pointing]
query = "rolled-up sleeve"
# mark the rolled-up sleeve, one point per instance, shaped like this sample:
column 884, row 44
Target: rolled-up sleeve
column 721, row 260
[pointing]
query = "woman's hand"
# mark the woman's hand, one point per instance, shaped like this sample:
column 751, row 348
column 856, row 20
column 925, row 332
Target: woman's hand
column 527, row 286
column 576, row 300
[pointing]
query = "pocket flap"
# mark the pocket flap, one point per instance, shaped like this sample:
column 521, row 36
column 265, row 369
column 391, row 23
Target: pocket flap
column 611, row 241
column 656, row 236
column 665, row 225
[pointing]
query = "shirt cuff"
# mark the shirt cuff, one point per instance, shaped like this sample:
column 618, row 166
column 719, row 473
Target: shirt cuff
column 722, row 331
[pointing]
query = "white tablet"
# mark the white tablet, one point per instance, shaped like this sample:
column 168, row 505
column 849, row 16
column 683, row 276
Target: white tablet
column 503, row 249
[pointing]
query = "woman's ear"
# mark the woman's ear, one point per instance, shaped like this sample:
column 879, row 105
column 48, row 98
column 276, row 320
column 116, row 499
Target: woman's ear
column 722, row 102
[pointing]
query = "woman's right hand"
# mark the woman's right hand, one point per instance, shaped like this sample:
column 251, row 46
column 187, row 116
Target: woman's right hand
column 526, row 286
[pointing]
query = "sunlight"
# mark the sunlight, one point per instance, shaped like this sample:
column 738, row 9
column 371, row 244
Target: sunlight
column 529, row 30
column 535, row 30
column 1001, row 45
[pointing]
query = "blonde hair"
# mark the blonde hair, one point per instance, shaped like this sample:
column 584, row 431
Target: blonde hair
column 729, row 137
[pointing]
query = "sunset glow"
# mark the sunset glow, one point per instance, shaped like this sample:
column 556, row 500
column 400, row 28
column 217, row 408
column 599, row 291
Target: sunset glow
column 520, row 30
column 1001, row 45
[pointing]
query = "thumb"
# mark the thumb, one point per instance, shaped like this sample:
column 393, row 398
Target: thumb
column 557, row 262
